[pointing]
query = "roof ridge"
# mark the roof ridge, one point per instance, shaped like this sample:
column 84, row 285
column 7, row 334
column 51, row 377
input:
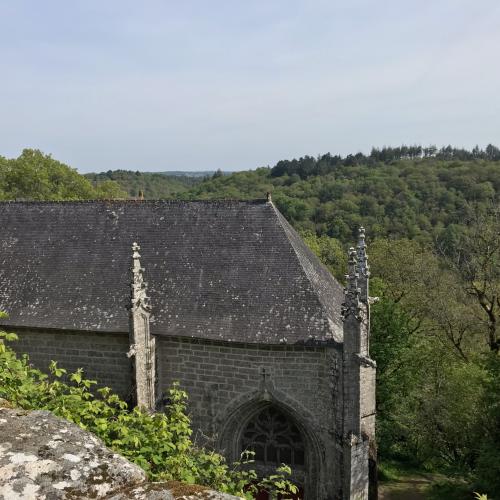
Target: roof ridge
column 255, row 201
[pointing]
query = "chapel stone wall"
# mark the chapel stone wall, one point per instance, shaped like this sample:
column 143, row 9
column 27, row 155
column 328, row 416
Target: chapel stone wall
column 219, row 377
column 101, row 355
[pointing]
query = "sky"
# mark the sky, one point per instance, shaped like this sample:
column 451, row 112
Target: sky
column 200, row 85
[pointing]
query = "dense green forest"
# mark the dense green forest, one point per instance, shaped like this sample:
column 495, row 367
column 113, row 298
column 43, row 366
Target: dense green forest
column 433, row 221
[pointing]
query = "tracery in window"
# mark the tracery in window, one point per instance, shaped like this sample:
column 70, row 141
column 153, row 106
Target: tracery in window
column 274, row 439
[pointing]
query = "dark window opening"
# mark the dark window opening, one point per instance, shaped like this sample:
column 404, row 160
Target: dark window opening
column 274, row 439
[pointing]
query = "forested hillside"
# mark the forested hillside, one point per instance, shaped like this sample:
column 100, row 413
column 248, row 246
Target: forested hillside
column 151, row 185
column 404, row 196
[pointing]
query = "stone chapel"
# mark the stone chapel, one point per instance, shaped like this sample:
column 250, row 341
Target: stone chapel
column 222, row 296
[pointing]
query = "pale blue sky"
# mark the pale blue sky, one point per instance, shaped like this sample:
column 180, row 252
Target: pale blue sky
column 195, row 85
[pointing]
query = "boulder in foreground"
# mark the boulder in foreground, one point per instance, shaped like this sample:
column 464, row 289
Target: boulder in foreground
column 42, row 457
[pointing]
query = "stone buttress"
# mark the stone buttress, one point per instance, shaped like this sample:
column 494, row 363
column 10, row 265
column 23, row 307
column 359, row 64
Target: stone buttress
column 358, row 381
column 142, row 343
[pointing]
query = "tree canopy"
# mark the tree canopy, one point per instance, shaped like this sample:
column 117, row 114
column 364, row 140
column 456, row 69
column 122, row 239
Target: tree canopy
column 37, row 176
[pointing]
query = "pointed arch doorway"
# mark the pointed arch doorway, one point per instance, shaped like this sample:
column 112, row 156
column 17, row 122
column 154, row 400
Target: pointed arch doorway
column 277, row 430
column 275, row 439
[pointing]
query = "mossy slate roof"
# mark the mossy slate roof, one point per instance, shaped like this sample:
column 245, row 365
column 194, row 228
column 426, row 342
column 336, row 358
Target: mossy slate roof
column 222, row 270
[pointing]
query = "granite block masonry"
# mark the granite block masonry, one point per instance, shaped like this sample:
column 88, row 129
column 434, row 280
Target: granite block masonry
column 225, row 298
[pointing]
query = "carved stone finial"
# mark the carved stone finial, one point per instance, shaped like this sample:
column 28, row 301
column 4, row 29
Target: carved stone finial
column 353, row 260
column 269, row 197
column 363, row 267
column 139, row 296
column 351, row 292
column 135, row 250
column 352, row 276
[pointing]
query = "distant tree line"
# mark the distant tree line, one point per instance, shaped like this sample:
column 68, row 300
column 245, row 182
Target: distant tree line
column 308, row 166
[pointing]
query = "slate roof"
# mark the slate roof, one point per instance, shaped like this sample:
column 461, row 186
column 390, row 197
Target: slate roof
column 223, row 270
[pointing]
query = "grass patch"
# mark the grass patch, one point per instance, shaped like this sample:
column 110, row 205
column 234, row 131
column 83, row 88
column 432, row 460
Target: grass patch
column 450, row 489
column 406, row 480
column 393, row 470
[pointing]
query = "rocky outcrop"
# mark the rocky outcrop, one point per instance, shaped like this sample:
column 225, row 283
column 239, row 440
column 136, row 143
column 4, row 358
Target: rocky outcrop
column 43, row 457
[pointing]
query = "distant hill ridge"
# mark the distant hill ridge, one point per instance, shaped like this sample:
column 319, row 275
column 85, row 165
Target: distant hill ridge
column 152, row 185
column 149, row 184
column 188, row 173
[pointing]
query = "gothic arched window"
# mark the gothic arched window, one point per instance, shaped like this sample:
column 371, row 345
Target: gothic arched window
column 274, row 439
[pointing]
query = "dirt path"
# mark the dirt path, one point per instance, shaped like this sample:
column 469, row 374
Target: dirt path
column 413, row 487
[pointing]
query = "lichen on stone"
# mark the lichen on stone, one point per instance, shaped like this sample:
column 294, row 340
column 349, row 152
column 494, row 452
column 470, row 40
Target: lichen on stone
column 52, row 463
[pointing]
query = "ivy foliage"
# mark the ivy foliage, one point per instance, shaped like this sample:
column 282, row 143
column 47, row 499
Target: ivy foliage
column 160, row 443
